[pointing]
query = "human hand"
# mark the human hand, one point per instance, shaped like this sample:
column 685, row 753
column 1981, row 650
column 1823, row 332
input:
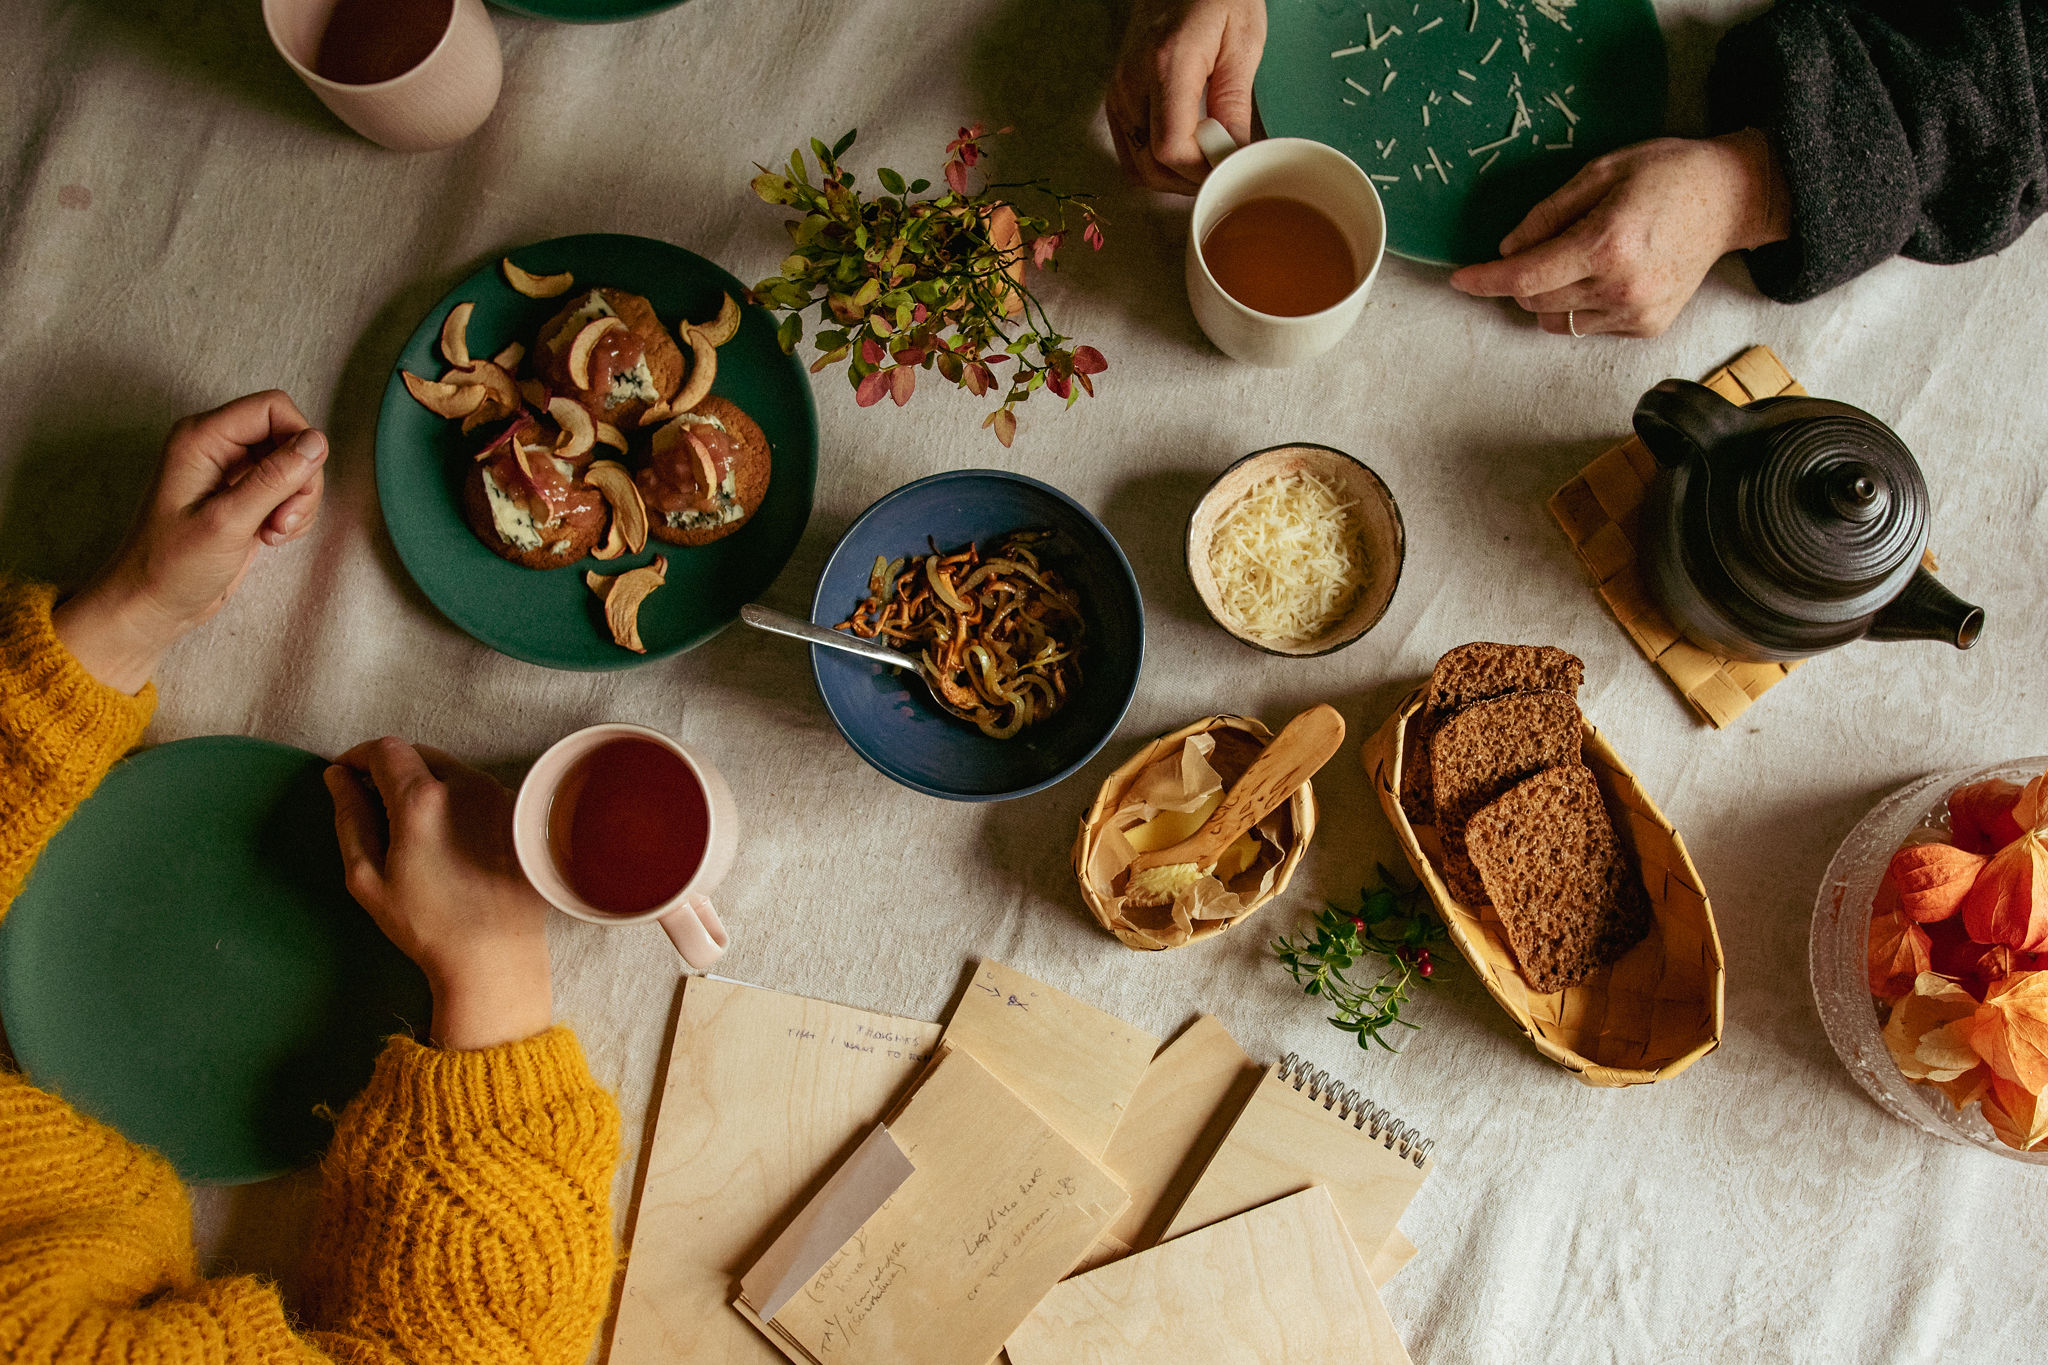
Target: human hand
column 246, row 475
column 436, row 871
column 1174, row 52
column 1624, row 245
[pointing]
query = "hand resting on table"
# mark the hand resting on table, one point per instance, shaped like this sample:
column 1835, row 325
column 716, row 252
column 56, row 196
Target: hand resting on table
column 1625, row 244
column 245, row 475
column 435, row 869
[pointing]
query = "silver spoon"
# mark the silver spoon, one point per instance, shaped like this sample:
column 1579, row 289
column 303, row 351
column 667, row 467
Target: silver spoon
column 796, row 628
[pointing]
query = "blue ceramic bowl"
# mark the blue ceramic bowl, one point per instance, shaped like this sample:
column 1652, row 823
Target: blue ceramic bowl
column 891, row 721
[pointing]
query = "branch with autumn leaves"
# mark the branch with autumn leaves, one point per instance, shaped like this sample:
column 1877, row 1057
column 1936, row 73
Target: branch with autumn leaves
column 904, row 284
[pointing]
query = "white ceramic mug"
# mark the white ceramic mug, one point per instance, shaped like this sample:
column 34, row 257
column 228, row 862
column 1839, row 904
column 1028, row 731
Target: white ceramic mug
column 688, row 917
column 438, row 102
column 1293, row 168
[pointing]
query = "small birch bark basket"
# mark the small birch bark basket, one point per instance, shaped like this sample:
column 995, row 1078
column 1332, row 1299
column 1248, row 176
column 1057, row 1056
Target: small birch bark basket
column 1100, row 850
column 1647, row 1017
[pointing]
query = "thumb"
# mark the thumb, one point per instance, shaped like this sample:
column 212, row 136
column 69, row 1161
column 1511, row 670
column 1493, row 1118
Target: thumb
column 243, row 507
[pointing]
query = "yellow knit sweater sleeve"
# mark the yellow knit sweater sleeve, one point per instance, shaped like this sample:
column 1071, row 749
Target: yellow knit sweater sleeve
column 60, row 730
column 464, row 1212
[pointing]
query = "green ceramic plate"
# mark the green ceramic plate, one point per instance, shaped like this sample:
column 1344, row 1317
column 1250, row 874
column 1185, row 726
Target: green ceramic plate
column 549, row 617
column 186, row 965
column 1602, row 60
column 586, row 11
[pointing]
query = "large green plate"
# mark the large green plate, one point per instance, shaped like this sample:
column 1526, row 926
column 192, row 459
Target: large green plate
column 586, row 11
column 186, row 965
column 548, row 616
column 1611, row 58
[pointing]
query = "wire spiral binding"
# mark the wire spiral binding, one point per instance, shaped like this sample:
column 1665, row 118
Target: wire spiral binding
column 1355, row 1109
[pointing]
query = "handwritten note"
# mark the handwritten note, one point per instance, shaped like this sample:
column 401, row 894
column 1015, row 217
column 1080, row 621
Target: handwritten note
column 765, row 1095
column 998, row 1209
column 1068, row 1060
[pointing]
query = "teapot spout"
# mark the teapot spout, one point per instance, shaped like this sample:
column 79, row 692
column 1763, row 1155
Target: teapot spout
column 1928, row 611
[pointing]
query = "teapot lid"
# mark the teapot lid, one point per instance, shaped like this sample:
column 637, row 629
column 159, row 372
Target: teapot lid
column 1829, row 518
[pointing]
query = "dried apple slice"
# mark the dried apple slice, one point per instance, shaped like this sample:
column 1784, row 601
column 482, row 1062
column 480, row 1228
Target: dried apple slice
column 579, row 433
column 653, row 413
column 537, row 286
column 493, row 378
column 629, row 510
column 580, row 348
column 703, row 369
column 622, row 594
column 455, row 335
column 535, row 393
column 514, row 429
column 722, row 328
column 509, row 358
column 609, row 435
column 445, row 400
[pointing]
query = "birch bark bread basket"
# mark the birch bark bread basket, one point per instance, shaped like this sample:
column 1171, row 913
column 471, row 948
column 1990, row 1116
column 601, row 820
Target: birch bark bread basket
column 1644, row 1018
column 1286, row 834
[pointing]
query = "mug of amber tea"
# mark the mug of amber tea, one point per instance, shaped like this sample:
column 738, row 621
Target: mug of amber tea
column 619, row 824
column 1286, row 238
column 411, row 75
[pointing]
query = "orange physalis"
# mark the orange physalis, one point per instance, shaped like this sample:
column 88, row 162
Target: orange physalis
column 1927, row 1031
column 2010, row 1029
column 1980, row 815
column 2009, row 903
column 1898, row 953
column 2019, row 1119
column 1932, row 879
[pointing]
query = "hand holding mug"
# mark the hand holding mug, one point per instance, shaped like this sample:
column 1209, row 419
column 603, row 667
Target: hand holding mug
column 435, row 869
column 233, row 480
column 1176, row 56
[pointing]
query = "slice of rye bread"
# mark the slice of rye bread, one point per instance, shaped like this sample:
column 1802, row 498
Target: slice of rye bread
column 1568, row 896
column 1480, row 752
column 1470, row 673
column 751, row 470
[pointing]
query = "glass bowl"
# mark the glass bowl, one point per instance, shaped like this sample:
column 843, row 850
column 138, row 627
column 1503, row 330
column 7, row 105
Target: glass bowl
column 1841, row 932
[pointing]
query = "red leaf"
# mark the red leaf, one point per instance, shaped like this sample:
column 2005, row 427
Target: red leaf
column 918, row 312
column 1933, row 879
column 1042, row 248
column 1898, row 953
column 872, row 387
column 956, row 176
column 910, row 355
column 977, row 379
column 1006, row 427
column 1085, row 382
column 1058, row 383
column 1092, row 234
column 902, row 380
column 1980, row 815
column 871, row 350
column 1088, row 360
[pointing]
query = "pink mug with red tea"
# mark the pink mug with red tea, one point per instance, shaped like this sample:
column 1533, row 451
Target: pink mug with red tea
column 619, row 824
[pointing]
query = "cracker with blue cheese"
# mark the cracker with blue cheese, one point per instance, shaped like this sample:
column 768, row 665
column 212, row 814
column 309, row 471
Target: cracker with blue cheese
column 705, row 473
column 529, row 507
column 626, row 361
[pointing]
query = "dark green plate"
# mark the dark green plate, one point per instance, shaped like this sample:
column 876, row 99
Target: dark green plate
column 1611, row 59
column 548, row 616
column 586, row 11
column 186, row 965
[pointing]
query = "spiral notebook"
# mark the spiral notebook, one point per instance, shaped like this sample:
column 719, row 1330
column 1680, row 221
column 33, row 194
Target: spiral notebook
column 1301, row 1128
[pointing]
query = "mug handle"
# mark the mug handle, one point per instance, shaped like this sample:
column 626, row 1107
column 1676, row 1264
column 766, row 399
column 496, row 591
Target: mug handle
column 695, row 930
column 1214, row 140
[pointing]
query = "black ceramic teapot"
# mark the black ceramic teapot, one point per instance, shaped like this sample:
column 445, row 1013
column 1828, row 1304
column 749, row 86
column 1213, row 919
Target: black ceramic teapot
column 1788, row 526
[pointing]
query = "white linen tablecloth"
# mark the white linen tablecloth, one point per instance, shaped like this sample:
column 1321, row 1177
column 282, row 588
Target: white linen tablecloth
column 183, row 222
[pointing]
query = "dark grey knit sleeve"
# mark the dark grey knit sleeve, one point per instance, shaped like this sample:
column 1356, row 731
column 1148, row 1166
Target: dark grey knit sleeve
column 1904, row 127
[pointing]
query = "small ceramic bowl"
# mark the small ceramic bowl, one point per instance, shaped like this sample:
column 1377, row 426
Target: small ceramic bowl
column 892, row 722
column 1386, row 541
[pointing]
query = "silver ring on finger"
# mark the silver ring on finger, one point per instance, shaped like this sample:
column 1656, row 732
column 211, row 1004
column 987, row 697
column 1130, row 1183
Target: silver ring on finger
column 1571, row 322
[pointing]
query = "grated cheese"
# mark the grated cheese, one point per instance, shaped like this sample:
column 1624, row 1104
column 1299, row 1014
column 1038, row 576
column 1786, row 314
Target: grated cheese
column 1356, row 86
column 1489, row 52
column 1289, row 559
column 1351, row 51
column 1431, row 24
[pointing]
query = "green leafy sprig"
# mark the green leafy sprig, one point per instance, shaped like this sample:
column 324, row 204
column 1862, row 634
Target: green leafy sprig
column 1390, row 933
column 904, row 284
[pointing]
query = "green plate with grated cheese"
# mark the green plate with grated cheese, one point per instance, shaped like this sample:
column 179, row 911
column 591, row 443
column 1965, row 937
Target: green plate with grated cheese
column 1466, row 113
column 548, row 616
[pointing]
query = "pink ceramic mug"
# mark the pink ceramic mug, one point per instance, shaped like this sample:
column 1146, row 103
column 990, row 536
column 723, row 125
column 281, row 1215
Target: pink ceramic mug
column 436, row 102
column 688, row 917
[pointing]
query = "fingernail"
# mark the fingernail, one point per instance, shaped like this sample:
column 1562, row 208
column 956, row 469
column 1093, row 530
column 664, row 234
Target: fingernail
column 310, row 444
column 289, row 520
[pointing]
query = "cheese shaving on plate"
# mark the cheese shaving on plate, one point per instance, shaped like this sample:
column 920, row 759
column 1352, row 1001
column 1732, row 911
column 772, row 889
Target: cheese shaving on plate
column 1288, row 559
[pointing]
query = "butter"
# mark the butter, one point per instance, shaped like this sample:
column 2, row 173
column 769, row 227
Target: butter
column 513, row 522
column 1169, row 827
